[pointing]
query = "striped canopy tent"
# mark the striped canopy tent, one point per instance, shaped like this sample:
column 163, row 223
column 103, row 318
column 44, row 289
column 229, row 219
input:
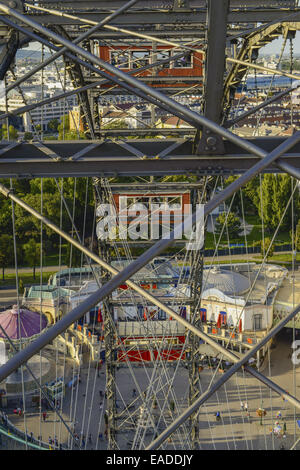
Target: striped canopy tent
column 21, row 323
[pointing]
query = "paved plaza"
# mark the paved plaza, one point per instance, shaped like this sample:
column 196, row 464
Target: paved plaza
column 83, row 408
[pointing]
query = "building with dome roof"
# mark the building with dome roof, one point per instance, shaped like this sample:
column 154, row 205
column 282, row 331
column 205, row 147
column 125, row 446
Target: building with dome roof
column 237, row 303
column 227, row 281
column 241, row 295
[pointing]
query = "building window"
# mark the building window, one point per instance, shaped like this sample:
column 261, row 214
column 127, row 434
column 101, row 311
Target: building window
column 184, row 62
column 139, row 59
column 257, row 322
column 120, row 59
column 162, row 315
column 161, row 55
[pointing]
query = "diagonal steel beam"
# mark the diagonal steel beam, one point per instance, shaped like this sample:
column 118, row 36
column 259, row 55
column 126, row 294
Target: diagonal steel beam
column 123, row 276
column 10, row 146
column 130, row 148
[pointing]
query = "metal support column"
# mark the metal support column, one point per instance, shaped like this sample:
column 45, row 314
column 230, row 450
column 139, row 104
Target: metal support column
column 214, row 74
column 109, row 333
column 196, row 261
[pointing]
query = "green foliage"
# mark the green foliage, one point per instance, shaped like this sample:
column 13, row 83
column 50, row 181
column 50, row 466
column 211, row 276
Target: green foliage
column 265, row 246
column 28, row 136
column 73, row 135
column 64, row 132
column 296, row 236
column 116, row 124
column 5, row 216
column 232, row 223
column 64, row 126
column 53, row 125
column 244, row 199
column 6, row 252
column 32, row 253
column 276, row 191
column 73, row 257
column 252, row 191
column 12, row 133
column 21, row 286
column 28, row 226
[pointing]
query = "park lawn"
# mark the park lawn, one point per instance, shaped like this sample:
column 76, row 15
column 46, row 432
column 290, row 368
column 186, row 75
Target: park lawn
column 52, row 259
column 27, row 278
column 280, row 257
column 235, row 261
column 253, row 238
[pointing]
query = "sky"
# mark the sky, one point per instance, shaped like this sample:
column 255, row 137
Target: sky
column 275, row 46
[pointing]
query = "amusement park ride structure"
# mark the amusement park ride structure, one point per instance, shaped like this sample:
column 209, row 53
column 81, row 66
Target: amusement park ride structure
column 150, row 49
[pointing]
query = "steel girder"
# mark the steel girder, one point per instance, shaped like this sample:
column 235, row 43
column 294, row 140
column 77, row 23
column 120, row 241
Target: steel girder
column 214, row 74
column 177, row 19
column 138, row 157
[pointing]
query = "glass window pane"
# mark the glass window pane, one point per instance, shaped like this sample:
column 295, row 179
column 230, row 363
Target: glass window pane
column 161, row 55
column 120, row 59
column 184, row 62
column 139, row 59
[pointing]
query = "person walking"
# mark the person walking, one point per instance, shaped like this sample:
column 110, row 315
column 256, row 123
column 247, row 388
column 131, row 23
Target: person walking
column 44, row 415
column 246, row 406
column 242, row 406
column 218, row 416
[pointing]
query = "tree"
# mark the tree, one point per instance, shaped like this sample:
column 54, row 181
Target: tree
column 28, row 226
column 265, row 245
column 28, row 136
column 21, row 286
column 296, row 236
column 32, row 252
column 233, row 224
column 64, row 126
column 12, row 133
column 243, row 198
column 276, row 191
column 53, row 125
column 5, row 216
column 6, row 252
column 116, row 124
column 73, row 261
